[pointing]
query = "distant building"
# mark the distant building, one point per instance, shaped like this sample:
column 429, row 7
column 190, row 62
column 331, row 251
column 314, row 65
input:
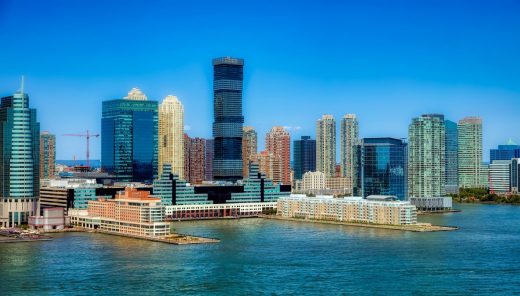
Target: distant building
column 249, row 147
column 131, row 212
column 426, row 156
column 515, row 175
column 228, row 118
column 278, row 144
column 500, row 176
column 349, row 209
column 269, row 164
column 432, row 204
column 52, row 218
column 382, row 167
column 194, row 159
column 19, row 160
column 47, row 155
column 338, row 185
column 505, row 152
column 349, row 137
column 304, row 153
column 68, row 193
column 326, row 145
column 258, row 188
column 452, row 159
column 313, row 181
column 208, row 155
column 470, row 152
column 171, row 135
column 129, row 137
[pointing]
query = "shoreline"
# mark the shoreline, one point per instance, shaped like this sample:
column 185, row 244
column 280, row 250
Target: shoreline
column 420, row 227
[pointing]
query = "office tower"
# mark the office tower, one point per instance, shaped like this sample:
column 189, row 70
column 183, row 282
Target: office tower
column 470, row 152
column 194, row 159
column 278, row 143
column 249, row 147
column 47, row 155
column 171, row 135
column 227, row 127
column 505, row 152
column 304, row 153
column 452, row 162
column 184, row 194
column 349, row 135
column 208, row 155
column 382, row 169
column 426, row 156
column 129, row 134
column 500, row 176
column 326, row 145
column 20, row 160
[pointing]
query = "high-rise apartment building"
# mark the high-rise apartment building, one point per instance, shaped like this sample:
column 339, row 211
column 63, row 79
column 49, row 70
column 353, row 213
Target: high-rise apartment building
column 194, row 159
column 470, row 152
column 228, row 119
column 268, row 164
column 382, row 169
column 452, row 159
column 326, row 145
column 426, row 156
column 47, row 155
column 349, row 136
column 249, row 148
column 278, row 143
column 171, row 135
column 129, row 136
column 304, row 156
column 20, row 160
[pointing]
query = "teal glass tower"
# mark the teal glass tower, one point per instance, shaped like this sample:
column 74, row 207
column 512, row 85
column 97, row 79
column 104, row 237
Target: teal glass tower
column 129, row 134
column 20, row 160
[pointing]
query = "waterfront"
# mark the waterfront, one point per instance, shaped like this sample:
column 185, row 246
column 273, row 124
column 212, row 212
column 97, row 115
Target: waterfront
column 260, row 256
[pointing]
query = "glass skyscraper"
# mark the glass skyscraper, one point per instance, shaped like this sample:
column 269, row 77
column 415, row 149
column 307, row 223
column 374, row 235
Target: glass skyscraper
column 228, row 119
column 505, row 152
column 129, row 133
column 452, row 162
column 383, row 167
column 20, row 160
column 304, row 153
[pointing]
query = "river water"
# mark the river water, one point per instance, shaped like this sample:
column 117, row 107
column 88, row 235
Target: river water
column 271, row 257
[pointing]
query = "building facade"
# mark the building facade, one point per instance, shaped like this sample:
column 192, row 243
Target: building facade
column 194, row 159
column 326, row 145
column 278, row 144
column 505, row 152
column 20, row 160
column 228, row 119
column 382, row 167
column 470, row 152
column 249, row 148
column 500, row 176
column 47, row 155
column 208, row 160
column 171, row 135
column 452, row 159
column 129, row 138
column 313, row 181
column 349, row 137
column 184, row 193
column 426, row 156
column 349, row 209
column 304, row 156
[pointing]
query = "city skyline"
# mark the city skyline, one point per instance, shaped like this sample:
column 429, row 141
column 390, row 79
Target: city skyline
column 343, row 71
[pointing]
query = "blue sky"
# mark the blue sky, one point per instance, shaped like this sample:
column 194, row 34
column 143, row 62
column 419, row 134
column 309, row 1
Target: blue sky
column 386, row 61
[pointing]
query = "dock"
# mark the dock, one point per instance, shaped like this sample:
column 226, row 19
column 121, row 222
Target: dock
column 419, row 227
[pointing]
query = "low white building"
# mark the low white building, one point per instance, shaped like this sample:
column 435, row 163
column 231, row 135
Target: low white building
column 432, row 204
column 52, row 218
column 213, row 211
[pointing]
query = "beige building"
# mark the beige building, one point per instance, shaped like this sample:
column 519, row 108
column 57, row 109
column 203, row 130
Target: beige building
column 278, row 144
column 249, row 148
column 373, row 210
column 326, row 145
column 470, row 152
column 349, row 137
column 171, row 135
column 313, row 181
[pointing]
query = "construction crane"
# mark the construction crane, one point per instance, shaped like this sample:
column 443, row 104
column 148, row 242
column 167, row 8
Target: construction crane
column 88, row 135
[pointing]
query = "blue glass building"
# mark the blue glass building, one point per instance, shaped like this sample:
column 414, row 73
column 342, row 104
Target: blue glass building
column 505, row 152
column 19, row 160
column 184, row 193
column 382, row 169
column 228, row 119
column 452, row 158
column 129, row 133
column 304, row 153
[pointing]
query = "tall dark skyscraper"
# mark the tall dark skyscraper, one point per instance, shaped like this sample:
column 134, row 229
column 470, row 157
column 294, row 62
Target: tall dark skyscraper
column 227, row 126
column 129, row 134
column 19, row 160
column 304, row 153
column 452, row 159
column 382, row 169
